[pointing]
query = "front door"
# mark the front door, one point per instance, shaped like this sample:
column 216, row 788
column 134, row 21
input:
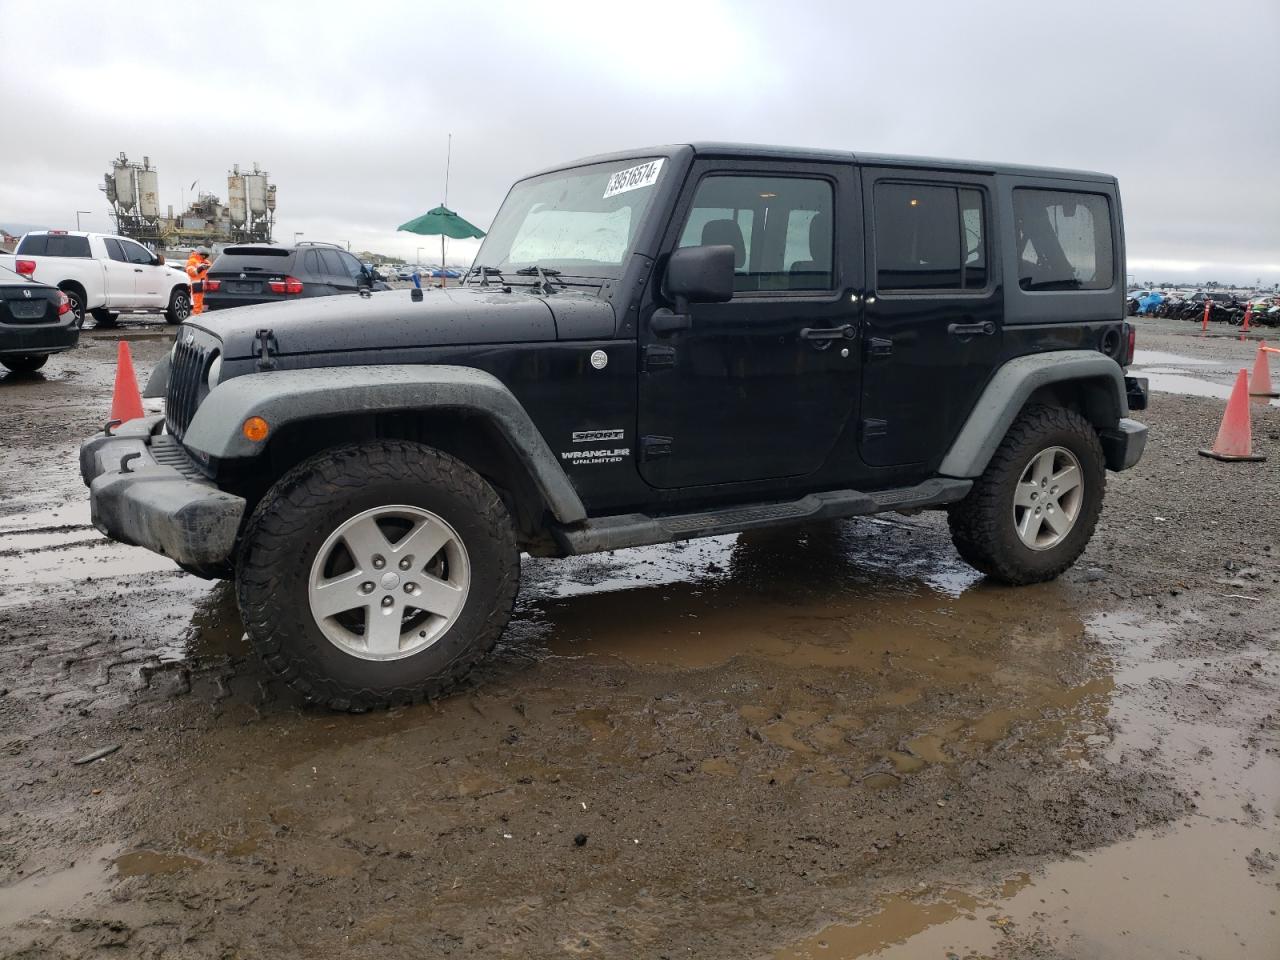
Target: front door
column 932, row 331
column 149, row 279
column 759, row 387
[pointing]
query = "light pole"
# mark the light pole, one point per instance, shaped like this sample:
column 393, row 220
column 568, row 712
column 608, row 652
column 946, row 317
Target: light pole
column 296, row 235
column 78, row 212
column 418, row 258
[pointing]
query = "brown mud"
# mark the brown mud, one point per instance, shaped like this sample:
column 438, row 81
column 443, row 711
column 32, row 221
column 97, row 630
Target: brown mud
column 834, row 741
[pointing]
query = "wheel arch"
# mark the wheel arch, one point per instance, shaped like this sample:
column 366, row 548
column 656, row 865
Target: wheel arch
column 1086, row 381
column 461, row 411
column 76, row 287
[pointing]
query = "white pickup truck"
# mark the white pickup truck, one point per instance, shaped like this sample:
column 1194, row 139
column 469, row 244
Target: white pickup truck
column 102, row 275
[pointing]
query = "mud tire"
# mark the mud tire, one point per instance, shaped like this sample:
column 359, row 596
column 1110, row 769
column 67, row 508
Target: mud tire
column 291, row 523
column 982, row 526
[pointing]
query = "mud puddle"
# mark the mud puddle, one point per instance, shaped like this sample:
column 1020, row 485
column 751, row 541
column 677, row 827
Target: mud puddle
column 1181, row 893
column 54, row 888
column 1188, row 376
column 1205, row 887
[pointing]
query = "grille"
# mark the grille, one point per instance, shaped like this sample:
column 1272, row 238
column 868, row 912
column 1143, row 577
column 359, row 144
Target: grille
column 187, row 372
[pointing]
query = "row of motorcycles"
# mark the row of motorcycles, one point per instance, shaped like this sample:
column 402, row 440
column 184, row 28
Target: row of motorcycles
column 1230, row 310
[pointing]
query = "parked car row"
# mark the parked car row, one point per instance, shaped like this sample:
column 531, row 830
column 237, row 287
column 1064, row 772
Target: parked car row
column 102, row 275
column 1223, row 307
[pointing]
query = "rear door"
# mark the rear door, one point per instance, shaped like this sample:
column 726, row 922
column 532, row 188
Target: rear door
column 760, row 387
column 933, row 316
column 336, row 271
column 120, row 278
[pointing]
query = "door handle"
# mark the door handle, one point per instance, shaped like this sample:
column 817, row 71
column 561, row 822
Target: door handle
column 137, row 269
column 846, row 332
column 986, row 328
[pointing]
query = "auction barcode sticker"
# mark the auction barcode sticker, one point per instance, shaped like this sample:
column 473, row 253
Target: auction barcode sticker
column 633, row 178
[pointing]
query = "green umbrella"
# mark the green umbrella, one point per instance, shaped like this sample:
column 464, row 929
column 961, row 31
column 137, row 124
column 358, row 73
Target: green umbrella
column 444, row 222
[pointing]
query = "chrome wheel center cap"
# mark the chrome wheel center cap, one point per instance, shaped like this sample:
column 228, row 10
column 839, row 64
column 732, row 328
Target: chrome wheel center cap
column 390, row 580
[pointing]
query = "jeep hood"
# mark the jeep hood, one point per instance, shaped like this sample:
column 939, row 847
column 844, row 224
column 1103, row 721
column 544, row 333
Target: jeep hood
column 392, row 319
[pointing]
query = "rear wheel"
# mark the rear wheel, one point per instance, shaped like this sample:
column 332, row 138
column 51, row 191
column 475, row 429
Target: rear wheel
column 1031, row 513
column 377, row 574
column 75, row 300
column 25, row 363
column 179, row 308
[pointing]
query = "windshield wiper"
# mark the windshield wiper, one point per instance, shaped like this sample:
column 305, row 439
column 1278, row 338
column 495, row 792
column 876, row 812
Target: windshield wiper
column 543, row 275
column 485, row 274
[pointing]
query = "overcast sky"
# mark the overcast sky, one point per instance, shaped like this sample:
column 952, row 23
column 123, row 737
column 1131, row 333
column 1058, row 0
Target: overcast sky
column 348, row 105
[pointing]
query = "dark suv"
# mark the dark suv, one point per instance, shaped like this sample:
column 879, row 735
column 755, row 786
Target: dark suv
column 656, row 345
column 265, row 273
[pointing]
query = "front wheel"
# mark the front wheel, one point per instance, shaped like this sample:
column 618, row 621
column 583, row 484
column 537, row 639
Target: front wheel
column 1031, row 513
column 104, row 318
column 179, row 305
column 377, row 574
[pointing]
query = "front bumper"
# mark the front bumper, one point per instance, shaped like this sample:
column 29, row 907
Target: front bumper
column 1123, row 446
column 158, row 499
column 34, row 339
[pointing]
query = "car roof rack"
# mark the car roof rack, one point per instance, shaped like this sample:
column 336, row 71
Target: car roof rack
column 319, row 243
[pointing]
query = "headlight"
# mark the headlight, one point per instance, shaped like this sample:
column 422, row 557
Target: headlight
column 215, row 370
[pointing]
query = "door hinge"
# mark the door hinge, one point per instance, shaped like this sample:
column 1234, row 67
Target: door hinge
column 879, row 347
column 658, row 357
column 874, row 428
column 266, row 345
column 653, row 447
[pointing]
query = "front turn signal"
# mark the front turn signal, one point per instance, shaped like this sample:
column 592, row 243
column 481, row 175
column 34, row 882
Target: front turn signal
column 255, row 429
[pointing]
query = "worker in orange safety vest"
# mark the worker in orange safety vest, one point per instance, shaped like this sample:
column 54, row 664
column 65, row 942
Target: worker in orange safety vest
column 197, row 266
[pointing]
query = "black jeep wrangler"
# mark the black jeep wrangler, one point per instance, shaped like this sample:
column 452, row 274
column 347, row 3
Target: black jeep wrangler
column 651, row 346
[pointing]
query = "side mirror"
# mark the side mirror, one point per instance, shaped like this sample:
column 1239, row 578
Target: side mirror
column 158, row 260
column 695, row 275
column 701, row 274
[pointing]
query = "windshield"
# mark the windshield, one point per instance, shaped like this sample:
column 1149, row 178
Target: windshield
column 580, row 222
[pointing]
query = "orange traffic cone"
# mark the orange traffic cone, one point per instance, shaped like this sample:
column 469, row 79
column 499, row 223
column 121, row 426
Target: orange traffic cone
column 1248, row 315
column 1260, row 382
column 126, row 401
column 1234, row 440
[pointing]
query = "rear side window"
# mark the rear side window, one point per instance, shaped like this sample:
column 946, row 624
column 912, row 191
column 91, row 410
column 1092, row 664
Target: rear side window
column 1064, row 240
column 929, row 237
column 114, row 250
column 333, row 264
column 54, row 245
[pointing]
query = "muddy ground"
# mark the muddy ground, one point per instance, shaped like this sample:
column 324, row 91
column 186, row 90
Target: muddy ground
column 832, row 742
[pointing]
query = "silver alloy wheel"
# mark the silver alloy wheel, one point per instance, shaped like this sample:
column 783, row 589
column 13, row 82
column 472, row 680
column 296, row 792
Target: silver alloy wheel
column 1048, row 497
column 181, row 306
column 389, row 582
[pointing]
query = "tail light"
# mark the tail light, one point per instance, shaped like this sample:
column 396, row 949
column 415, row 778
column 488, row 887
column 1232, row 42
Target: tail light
column 1130, row 344
column 25, row 267
column 212, row 286
column 287, row 285
column 64, row 303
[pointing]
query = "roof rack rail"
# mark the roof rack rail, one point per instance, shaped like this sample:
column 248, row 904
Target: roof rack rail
column 318, row 243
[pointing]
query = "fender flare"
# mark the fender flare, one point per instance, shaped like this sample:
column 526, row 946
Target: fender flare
column 1008, row 391
column 288, row 396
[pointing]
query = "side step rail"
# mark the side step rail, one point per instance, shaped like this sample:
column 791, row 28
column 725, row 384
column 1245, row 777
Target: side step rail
column 638, row 530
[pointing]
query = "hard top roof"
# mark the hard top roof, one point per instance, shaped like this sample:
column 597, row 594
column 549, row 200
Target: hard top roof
column 757, row 151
